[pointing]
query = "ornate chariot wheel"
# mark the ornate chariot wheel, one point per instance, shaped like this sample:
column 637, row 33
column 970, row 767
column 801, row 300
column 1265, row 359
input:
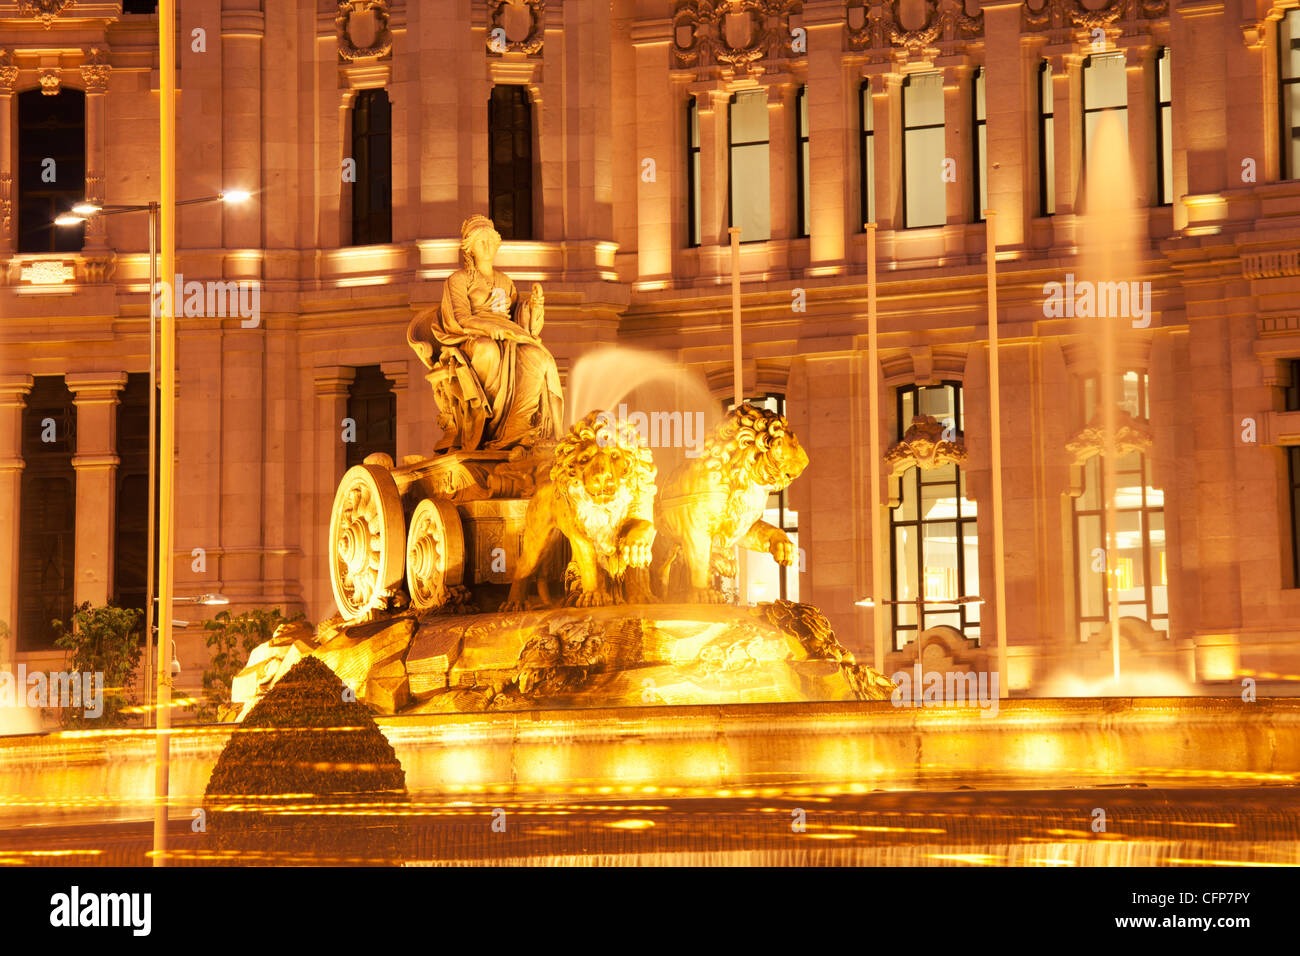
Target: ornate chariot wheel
column 367, row 537
column 435, row 553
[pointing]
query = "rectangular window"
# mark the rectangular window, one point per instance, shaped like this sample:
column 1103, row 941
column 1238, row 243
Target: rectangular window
column 1164, row 131
column 1288, row 71
column 372, row 406
column 867, row 159
column 924, row 198
column 750, row 192
column 1292, row 392
column 1046, row 142
column 130, row 549
column 803, row 164
column 372, row 148
column 510, row 161
column 1105, row 93
column 693, row 229
column 1293, row 474
column 934, row 545
column 981, row 146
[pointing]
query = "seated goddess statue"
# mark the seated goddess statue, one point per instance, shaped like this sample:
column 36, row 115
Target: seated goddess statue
column 495, row 383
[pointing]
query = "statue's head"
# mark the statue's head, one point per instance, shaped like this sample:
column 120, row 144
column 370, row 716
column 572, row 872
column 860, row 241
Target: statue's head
column 479, row 241
column 754, row 446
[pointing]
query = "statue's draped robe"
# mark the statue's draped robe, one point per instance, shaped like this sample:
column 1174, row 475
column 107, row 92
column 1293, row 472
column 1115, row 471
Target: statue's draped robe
column 519, row 379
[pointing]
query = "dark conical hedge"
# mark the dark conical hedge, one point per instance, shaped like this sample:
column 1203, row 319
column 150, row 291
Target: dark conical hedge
column 291, row 777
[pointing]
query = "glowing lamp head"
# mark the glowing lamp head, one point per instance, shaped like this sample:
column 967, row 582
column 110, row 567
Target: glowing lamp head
column 85, row 208
column 236, row 195
column 68, row 219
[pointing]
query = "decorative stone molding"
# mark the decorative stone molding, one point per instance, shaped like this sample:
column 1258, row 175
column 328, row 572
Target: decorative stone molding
column 8, row 71
column 94, row 72
column 1271, row 265
column 50, row 81
column 504, row 15
column 879, row 27
column 47, row 272
column 1065, row 18
column 1130, row 436
column 6, row 202
column 96, row 270
column 47, row 11
column 924, row 447
column 363, row 31
column 733, row 37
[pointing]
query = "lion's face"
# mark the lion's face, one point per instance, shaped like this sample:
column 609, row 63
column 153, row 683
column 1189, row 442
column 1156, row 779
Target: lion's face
column 784, row 461
column 601, row 471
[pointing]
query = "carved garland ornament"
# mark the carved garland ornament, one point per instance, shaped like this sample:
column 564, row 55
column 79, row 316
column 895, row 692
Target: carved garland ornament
column 876, row 24
column 924, row 446
column 732, row 34
column 351, row 33
column 1129, row 436
column 1073, row 15
column 44, row 10
column 500, row 15
column 95, row 71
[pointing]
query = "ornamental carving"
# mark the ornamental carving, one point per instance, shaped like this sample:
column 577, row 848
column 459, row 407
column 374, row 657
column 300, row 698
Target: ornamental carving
column 736, row 36
column 95, row 71
column 522, row 20
column 878, row 25
column 50, row 81
column 6, row 202
column 924, row 447
column 8, row 71
column 1063, row 16
column 1130, row 436
column 363, row 30
column 44, row 10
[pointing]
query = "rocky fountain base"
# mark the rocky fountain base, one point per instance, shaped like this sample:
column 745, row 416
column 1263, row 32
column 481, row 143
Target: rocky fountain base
column 619, row 655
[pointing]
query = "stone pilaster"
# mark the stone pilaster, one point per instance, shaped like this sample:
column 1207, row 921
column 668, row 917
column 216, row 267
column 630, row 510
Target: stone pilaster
column 94, row 73
column 8, row 188
column 96, row 395
column 14, row 388
column 331, row 383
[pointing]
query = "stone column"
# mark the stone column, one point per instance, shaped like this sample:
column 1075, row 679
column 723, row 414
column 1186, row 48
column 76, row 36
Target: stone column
column 886, row 103
column 8, row 188
column 827, row 135
column 714, row 178
column 659, row 104
column 96, row 395
column 14, row 388
column 782, row 167
column 1067, row 100
column 94, row 73
column 399, row 373
column 331, row 386
column 1012, row 191
column 1140, row 66
column 959, row 143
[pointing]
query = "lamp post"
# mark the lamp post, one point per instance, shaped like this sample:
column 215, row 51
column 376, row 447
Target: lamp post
column 80, row 213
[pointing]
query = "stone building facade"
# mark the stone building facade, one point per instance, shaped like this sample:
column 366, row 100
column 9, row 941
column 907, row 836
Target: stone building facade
column 615, row 144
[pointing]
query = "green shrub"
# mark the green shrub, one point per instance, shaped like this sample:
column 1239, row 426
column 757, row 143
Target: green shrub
column 230, row 639
column 104, row 640
column 308, row 772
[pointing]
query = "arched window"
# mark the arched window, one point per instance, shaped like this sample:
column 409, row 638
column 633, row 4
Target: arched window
column 372, row 148
column 48, row 513
column 510, row 162
column 51, row 168
column 373, row 406
column 933, row 539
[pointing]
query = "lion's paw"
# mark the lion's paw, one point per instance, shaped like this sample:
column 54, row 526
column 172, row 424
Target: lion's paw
column 511, row 606
column 591, row 599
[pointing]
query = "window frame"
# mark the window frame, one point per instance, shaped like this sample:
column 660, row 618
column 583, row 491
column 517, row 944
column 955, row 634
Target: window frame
column 1085, row 110
column 66, row 240
column 368, row 388
column 905, row 129
column 513, row 231
column 1164, row 130
column 979, row 124
column 802, row 159
column 866, row 156
column 373, row 227
column 732, row 145
column 1289, row 136
column 693, row 199
column 1046, row 141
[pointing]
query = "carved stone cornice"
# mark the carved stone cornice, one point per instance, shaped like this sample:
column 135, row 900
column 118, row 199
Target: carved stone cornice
column 350, row 27
column 923, row 446
column 47, row 11
column 733, row 37
column 499, row 12
column 1066, row 18
column 1130, row 435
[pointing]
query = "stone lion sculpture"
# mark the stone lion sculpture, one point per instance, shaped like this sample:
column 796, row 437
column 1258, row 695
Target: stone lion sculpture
column 600, row 495
column 713, row 502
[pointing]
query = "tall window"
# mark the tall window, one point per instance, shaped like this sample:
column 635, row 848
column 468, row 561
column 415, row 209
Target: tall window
column 980, row 143
column 48, row 515
column 1292, row 404
column 1105, row 90
column 373, row 406
column 1164, row 131
column 1046, row 142
column 750, row 193
column 803, row 164
column 867, row 153
column 510, row 162
column 1138, row 568
column 924, row 199
column 139, row 6
column 372, row 148
column 1288, row 61
column 934, row 545
column 130, row 549
column 693, row 228
column 761, row 578
column 51, row 168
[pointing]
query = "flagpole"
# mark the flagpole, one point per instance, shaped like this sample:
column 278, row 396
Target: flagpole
column 873, row 457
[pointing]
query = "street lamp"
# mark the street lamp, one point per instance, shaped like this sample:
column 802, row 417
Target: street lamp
column 79, row 214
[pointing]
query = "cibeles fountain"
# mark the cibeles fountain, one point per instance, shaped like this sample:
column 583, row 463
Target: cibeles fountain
column 522, row 565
